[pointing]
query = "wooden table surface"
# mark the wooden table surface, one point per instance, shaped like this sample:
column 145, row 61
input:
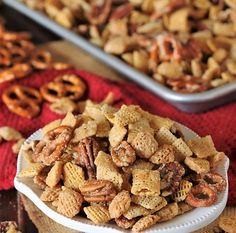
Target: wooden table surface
column 10, row 207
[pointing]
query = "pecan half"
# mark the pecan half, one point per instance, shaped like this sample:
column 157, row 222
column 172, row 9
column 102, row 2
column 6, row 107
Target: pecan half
column 171, row 175
column 98, row 190
column 87, row 149
column 121, row 11
column 123, row 155
column 100, row 12
column 52, row 146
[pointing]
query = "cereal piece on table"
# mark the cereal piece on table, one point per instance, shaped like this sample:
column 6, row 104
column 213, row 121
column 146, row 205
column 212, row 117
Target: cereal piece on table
column 50, row 126
column 106, row 170
column 85, row 130
column 120, row 204
column 181, row 150
column 73, row 176
column 9, row 227
column 183, row 207
column 69, row 202
column 145, row 223
column 124, row 223
column 54, row 175
column 97, row 214
column 126, row 115
column 123, row 155
column 148, row 202
column 116, row 135
column 216, row 159
column 50, row 194
column 202, row 147
column 164, row 136
column 197, row 165
column 182, row 191
column 9, row 134
column 164, row 154
column 63, row 106
column 71, row 120
column 144, row 144
column 31, row 171
column 16, row 147
column 228, row 224
column 168, row 212
column 145, row 182
column 136, row 211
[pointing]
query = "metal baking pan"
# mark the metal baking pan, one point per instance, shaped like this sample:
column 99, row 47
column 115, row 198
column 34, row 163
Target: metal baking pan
column 198, row 102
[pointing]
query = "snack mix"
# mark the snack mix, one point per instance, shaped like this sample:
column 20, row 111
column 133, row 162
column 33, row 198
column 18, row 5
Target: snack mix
column 187, row 45
column 125, row 164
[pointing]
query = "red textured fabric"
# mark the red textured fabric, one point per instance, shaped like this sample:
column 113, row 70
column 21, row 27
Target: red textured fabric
column 220, row 122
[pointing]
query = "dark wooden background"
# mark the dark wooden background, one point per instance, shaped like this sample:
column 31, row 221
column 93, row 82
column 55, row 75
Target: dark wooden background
column 10, row 205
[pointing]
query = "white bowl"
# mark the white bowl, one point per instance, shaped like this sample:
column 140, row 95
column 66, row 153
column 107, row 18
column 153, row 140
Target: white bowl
column 188, row 222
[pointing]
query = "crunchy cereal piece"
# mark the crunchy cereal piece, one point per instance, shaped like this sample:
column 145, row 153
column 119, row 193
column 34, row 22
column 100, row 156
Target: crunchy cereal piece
column 94, row 111
column 164, row 136
column 54, row 175
column 106, row 170
column 63, row 106
column 109, row 112
column 97, row 214
column 65, row 17
column 170, row 70
column 181, row 150
column 124, row 222
column 120, row 204
column 202, row 147
column 9, row 133
column 197, row 165
column 183, row 207
column 158, row 122
column 148, row 202
column 216, row 159
column 163, row 202
column 228, row 223
column 168, row 212
column 73, row 176
column 16, row 147
column 178, row 20
column 145, row 182
column 71, row 120
column 135, row 211
column 50, row 126
column 40, row 180
column 182, row 191
column 69, row 202
column 31, row 171
column 50, row 194
column 85, row 130
column 145, row 223
column 126, row 115
column 123, row 155
column 141, row 125
column 164, row 154
column 103, row 128
column 144, row 144
column 116, row 135
column 138, row 164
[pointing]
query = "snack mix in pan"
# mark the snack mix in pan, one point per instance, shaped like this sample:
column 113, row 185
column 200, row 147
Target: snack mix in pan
column 125, row 164
column 187, row 45
column 19, row 57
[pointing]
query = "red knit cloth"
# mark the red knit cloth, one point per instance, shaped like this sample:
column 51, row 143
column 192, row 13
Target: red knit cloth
column 220, row 122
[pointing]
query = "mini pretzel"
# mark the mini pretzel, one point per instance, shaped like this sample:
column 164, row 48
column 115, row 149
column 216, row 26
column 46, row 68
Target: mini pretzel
column 201, row 195
column 17, row 55
column 68, row 85
column 21, row 70
column 41, row 59
column 23, row 101
column 4, row 57
column 169, row 47
column 15, row 36
column 6, row 75
column 21, row 44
